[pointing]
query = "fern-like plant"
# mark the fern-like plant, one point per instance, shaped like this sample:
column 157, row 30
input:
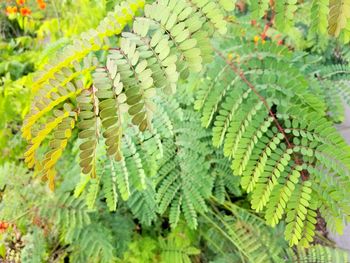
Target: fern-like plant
column 269, row 118
column 171, row 39
column 237, row 235
column 288, row 154
column 326, row 16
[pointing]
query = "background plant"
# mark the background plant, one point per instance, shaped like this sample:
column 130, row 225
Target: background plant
column 145, row 157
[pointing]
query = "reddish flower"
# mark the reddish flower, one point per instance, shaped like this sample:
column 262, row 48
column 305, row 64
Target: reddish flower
column 3, row 226
column 42, row 5
column 11, row 10
column 25, row 11
column 21, row 2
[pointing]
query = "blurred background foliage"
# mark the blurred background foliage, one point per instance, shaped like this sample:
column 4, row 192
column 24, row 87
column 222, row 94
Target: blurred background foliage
column 31, row 32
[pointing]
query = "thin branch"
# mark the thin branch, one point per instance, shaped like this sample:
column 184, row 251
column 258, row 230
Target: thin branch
column 57, row 16
column 250, row 85
column 20, row 216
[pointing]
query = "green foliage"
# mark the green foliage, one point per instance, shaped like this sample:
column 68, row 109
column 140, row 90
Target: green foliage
column 279, row 139
column 176, row 248
column 60, row 225
column 34, row 247
column 117, row 104
column 324, row 18
column 93, row 244
column 69, row 213
column 285, row 10
column 335, row 87
column 320, row 253
column 338, row 16
column 26, row 44
column 143, row 249
column 244, row 235
column 258, row 8
column 240, row 236
column 319, row 11
column 225, row 184
column 147, row 59
column 184, row 181
column 169, row 176
column 62, row 13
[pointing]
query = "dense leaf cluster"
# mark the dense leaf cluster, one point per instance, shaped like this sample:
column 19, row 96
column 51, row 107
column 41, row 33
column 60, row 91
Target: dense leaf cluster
column 174, row 113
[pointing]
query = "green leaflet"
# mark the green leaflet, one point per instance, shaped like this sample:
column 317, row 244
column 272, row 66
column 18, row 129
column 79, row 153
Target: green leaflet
column 317, row 251
column 339, row 13
column 319, row 12
column 228, row 5
column 285, row 10
column 88, row 126
column 258, row 8
column 109, row 187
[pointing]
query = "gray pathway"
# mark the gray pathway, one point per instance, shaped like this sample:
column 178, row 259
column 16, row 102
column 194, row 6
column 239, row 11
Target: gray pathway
column 344, row 240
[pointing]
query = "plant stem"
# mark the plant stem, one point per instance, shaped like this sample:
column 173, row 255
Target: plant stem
column 57, row 16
